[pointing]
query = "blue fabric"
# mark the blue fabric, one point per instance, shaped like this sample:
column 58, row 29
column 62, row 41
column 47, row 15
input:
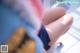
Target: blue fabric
column 44, row 37
column 10, row 21
column 39, row 44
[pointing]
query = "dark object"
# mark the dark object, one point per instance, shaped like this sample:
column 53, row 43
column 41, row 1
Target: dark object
column 44, row 37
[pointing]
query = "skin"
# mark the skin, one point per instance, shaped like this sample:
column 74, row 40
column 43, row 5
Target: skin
column 56, row 22
column 53, row 14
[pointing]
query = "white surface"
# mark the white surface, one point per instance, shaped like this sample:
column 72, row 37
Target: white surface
column 71, row 40
column 74, row 49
